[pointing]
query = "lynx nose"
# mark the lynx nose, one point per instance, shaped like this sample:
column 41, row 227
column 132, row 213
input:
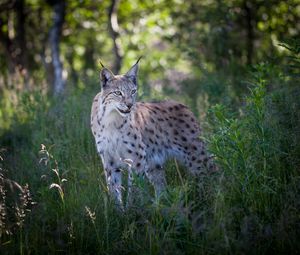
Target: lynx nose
column 129, row 105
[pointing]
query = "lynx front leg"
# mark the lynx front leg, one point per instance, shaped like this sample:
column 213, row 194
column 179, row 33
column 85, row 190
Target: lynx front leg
column 157, row 178
column 113, row 176
column 114, row 184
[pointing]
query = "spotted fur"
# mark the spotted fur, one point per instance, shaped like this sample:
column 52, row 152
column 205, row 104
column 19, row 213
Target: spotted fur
column 146, row 134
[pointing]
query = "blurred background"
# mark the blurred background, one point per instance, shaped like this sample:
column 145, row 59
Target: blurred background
column 235, row 63
column 54, row 46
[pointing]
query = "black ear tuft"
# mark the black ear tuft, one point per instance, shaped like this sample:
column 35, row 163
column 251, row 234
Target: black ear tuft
column 100, row 63
column 138, row 60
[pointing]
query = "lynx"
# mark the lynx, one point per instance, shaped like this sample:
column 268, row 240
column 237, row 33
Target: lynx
column 146, row 134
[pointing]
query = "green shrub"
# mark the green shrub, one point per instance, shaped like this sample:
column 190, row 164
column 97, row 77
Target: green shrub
column 258, row 157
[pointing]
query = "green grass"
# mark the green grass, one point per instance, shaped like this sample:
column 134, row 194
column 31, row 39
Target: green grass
column 250, row 206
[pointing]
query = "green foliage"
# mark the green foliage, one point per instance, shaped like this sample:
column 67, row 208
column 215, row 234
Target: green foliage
column 218, row 34
column 259, row 169
column 293, row 60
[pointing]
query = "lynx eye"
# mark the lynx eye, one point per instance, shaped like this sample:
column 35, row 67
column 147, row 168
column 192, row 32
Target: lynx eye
column 118, row 93
column 133, row 91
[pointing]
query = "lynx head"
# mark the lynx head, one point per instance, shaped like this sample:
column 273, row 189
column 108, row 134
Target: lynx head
column 119, row 91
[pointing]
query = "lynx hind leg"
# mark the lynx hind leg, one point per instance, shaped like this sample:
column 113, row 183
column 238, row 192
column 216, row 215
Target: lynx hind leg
column 157, row 178
column 198, row 160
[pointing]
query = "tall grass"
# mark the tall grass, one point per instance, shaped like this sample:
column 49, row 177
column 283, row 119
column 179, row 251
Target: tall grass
column 250, row 206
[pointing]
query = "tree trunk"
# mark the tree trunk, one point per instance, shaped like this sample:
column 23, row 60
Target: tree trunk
column 6, row 43
column 54, row 40
column 21, row 42
column 115, row 35
column 250, row 30
column 15, row 47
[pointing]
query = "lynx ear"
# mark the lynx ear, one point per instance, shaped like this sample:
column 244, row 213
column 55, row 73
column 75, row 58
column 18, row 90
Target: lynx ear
column 132, row 73
column 105, row 75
